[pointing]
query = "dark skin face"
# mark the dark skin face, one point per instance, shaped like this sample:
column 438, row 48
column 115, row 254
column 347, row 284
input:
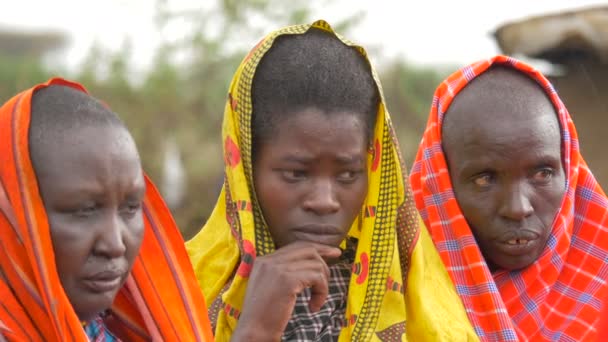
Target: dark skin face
column 502, row 143
column 311, row 180
column 92, row 186
column 311, row 177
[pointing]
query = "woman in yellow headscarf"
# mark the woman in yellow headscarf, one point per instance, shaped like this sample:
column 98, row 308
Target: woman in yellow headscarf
column 312, row 164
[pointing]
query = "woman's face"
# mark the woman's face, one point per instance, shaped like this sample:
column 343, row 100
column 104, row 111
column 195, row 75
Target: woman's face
column 504, row 156
column 310, row 177
column 92, row 187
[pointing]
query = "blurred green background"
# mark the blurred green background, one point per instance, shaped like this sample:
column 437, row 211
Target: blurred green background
column 174, row 109
column 171, row 93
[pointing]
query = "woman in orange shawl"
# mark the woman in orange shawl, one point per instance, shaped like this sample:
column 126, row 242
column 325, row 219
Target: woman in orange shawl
column 517, row 217
column 88, row 250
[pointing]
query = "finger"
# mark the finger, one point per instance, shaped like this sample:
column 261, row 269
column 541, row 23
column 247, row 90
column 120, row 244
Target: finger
column 328, row 252
column 313, row 259
column 319, row 290
column 306, row 249
column 303, row 266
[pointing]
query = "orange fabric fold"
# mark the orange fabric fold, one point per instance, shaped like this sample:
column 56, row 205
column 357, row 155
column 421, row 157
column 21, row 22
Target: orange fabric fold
column 161, row 299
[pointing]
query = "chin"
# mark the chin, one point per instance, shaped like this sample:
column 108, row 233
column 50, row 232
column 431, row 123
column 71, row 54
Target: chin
column 516, row 265
column 88, row 315
column 96, row 306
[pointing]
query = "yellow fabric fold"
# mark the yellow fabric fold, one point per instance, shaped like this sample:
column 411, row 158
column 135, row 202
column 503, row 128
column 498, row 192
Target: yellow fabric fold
column 390, row 246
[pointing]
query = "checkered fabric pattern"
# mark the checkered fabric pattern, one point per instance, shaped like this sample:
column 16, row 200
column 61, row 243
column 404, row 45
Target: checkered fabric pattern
column 97, row 332
column 394, row 255
column 559, row 296
column 325, row 324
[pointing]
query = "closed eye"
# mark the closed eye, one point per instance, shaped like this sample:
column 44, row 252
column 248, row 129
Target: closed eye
column 131, row 209
column 85, row 211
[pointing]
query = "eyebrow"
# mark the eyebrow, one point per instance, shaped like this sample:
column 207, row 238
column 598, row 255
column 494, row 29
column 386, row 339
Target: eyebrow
column 343, row 159
column 349, row 159
column 297, row 159
column 550, row 160
column 95, row 189
column 139, row 192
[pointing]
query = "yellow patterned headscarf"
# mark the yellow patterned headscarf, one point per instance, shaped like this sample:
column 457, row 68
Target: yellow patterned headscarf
column 393, row 245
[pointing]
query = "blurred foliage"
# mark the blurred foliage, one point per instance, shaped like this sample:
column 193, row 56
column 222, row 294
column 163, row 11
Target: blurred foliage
column 409, row 92
column 18, row 73
column 182, row 95
column 21, row 59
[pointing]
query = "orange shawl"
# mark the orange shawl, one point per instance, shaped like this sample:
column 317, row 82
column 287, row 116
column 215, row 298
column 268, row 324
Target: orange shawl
column 560, row 295
column 160, row 300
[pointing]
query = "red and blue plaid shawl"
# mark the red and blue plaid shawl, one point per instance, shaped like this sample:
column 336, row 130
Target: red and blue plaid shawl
column 559, row 296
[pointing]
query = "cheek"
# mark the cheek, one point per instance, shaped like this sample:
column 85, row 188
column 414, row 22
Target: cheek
column 357, row 196
column 549, row 204
column 274, row 199
column 72, row 245
column 353, row 199
column 269, row 192
column 559, row 190
column 474, row 208
column 134, row 236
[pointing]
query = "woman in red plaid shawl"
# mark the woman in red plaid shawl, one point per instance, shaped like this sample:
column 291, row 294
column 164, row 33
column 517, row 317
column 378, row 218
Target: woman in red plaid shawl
column 517, row 217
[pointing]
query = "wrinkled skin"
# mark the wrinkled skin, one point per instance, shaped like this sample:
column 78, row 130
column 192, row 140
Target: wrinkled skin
column 92, row 187
column 502, row 143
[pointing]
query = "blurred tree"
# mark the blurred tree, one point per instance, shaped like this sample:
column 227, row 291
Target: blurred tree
column 176, row 106
column 211, row 59
column 181, row 98
column 409, row 91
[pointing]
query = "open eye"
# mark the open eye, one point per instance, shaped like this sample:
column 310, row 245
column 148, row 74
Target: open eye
column 483, row 180
column 293, row 176
column 349, row 176
column 543, row 175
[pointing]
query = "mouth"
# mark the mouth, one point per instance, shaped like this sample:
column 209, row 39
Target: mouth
column 322, row 234
column 518, row 243
column 105, row 281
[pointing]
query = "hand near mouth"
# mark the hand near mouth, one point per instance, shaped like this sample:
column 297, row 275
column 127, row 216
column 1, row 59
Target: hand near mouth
column 274, row 284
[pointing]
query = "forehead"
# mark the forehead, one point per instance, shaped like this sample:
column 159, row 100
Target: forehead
column 315, row 125
column 501, row 115
column 82, row 150
column 500, row 102
column 313, row 135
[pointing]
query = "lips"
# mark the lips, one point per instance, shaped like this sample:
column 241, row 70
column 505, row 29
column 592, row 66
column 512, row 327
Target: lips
column 319, row 233
column 104, row 281
column 519, row 235
column 518, row 242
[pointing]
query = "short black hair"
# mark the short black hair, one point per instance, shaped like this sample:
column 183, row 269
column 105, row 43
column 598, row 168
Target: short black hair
column 315, row 70
column 57, row 110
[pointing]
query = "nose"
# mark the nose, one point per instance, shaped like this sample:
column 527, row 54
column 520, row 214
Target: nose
column 110, row 241
column 322, row 199
column 516, row 203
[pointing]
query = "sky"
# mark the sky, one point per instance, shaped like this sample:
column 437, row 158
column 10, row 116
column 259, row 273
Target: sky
column 426, row 32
